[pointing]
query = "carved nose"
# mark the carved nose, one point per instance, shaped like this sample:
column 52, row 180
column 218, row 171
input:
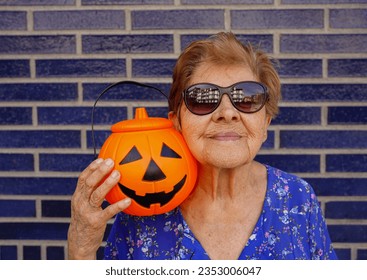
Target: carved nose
column 153, row 173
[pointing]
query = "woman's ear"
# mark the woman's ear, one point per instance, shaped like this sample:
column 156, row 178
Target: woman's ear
column 175, row 119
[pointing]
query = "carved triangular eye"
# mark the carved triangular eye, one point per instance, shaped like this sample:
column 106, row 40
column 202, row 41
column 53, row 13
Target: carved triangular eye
column 168, row 152
column 131, row 156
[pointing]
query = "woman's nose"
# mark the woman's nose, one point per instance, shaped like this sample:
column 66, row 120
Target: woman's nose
column 226, row 111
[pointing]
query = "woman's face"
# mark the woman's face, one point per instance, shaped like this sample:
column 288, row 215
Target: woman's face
column 225, row 138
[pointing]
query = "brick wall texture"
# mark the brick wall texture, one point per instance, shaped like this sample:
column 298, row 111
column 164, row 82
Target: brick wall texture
column 57, row 55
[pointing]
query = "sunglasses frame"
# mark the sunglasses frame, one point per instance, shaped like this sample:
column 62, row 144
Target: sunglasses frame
column 226, row 90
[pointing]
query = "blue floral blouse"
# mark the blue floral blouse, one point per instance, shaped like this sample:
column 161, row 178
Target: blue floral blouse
column 291, row 226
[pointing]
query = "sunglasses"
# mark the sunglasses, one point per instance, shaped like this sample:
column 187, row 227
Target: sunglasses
column 247, row 97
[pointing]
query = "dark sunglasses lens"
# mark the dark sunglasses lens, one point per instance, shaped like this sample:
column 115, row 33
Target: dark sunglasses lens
column 248, row 97
column 202, row 99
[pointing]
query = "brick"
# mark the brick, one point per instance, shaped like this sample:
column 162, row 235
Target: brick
column 76, row 20
column 348, row 233
column 55, row 253
column 292, row 163
column 343, row 254
column 153, row 67
column 108, row 229
column 298, row 116
column 324, row 92
column 177, row 19
column 157, row 112
column 37, row 186
column 225, row 2
column 269, row 143
column 12, row 20
column 8, row 252
column 361, row 254
column 80, row 68
column 265, row 19
column 15, row 115
column 40, row 139
column 347, row 67
column 16, row 162
column 329, row 43
column 348, row 18
column 127, row 44
column 34, row 231
column 17, row 208
column 14, row 68
column 325, row 139
column 322, row 1
column 338, row 96
column 339, row 186
column 39, row 92
column 264, row 42
column 125, row 92
column 65, row 162
column 80, row 115
column 56, row 208
column 36, row 2
column 38, row 44
column 346, row 163
column 300, row 68
column 347, row 115
column 31, row 253
column 346, row 210
column 100, row 137
column 126, row 2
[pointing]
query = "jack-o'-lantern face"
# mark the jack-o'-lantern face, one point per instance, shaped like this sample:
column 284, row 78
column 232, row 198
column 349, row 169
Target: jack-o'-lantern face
column 157, row 170
column 152, row 174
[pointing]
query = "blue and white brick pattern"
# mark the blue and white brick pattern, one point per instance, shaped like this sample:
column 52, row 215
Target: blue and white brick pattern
column 57, row 55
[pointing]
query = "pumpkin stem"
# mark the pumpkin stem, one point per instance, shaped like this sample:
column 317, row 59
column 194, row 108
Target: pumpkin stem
column 141, row 113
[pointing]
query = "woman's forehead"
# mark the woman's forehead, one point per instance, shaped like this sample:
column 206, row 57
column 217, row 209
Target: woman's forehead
column 221, row 75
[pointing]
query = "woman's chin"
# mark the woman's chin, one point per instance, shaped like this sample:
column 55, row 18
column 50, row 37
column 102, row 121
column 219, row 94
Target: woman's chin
column 225, row 160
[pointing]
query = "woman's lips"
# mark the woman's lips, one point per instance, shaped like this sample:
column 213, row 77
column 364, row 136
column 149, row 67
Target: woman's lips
column 226, row 136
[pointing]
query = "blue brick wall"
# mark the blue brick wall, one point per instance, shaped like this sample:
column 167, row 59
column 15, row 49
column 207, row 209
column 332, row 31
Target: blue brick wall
column 279, row 19
column 197, row 19
column 75, row 20
column 57, row 56
column 117, row 44
column 37, row 44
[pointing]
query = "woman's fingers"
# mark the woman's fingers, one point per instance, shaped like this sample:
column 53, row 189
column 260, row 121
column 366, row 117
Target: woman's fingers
column 115, row 208
column 88, row 219
column 98, row 195
column 94, row 174
column 99, row 192
column 87, row 171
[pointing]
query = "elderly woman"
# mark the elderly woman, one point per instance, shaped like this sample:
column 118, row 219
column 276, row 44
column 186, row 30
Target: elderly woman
column 223, row 97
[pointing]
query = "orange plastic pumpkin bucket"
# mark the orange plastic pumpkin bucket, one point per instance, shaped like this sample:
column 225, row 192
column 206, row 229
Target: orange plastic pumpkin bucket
column 157, row 169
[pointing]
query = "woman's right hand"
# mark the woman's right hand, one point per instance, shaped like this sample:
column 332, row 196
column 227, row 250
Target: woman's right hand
column 88, row 219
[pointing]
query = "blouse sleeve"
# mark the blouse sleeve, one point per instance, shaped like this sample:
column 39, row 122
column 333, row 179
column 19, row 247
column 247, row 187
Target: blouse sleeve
column 116, row 248
column 319, row 239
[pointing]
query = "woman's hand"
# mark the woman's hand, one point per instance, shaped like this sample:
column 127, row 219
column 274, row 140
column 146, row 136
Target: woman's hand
column 88, row 219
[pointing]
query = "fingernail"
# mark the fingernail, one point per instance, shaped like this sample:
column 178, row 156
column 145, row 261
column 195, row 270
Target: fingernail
column 99, row 160
column 127, row 200
column 109, row 162
column 115, row 174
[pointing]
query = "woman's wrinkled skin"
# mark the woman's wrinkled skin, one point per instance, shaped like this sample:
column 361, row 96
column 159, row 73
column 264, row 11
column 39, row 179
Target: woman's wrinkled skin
column 231, row 186
column 88, row 219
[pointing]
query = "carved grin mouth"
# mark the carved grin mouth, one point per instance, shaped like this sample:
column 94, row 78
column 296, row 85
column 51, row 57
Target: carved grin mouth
column 152, row 198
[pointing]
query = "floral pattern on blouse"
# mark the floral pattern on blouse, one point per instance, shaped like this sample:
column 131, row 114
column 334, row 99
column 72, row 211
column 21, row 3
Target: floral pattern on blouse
column 291, row 226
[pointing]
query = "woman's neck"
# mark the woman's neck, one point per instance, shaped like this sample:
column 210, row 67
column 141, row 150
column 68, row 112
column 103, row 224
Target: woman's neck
column 223, row 186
